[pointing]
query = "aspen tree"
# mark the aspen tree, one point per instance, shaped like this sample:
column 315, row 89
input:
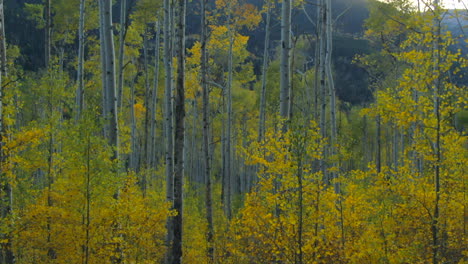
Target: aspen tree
column 229, row 178
column 122, row 34
column 3, row 47
column 262, row 118
column 322, row 22
column 206, row 132
column 6, row 254
column 285, row 68
column 179, row 135
column 239, row 15
column 147, row 123
column 168, row 123
column 109, row 69
column 436, row 247
column 80, row 75
column 317, row 64
column 47, row 32
column 154, row 99
column 133, row 162
column 331, row 85
column 104, row 76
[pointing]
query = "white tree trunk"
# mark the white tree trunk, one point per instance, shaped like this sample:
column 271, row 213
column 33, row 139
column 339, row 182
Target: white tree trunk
column 110, row 87
column 331, row 85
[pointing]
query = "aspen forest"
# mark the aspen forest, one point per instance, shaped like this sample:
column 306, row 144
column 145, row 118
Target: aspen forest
column 234, row 131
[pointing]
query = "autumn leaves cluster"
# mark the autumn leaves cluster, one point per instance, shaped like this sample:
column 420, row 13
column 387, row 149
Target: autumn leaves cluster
column 390, row 186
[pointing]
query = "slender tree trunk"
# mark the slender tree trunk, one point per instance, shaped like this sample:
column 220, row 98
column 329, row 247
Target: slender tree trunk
column 331, row 86
column 51, row 253
column 168, row 107
column 110, row 93
column 322, row 22
column 379, row 144
column 285, row 66
column 402, row 148
column 228, row 140
column 224, row 180
column 414, row 126
column 192, row 173
column 291, row 84
column 3, row 47
column 105, row 106
column 110, row 79
column 133, row 163
column 206, row 132
column 48, row 31
column 149, row 108
column 80, row 75
column 262, row 119
column 122, row 34
column 365, row 143
column 6, row 254
column 300, row 242
column 88, row 201
column 318, row 64
column 436, row 247
column 179, row 136
column 154, row 98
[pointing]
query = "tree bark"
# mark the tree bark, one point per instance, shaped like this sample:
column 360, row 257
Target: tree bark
column 149, row 108
column 105, row 106
column 122, row 34
column 262, row 119
column 322, row 22
column 80, row 75
column 300, row 204
column 179, row 135
column 87, row 217
column 6, row 254
column 110, row 87
column 154, row 98
column 229, row 179
column 285, row 66
column 133, row 162
column 436, row 247
column 317, row 64
column 168, row 107
column 331, row 86
column 3, row 47
column 206, row 132
column 48, row 31
column 379, row 144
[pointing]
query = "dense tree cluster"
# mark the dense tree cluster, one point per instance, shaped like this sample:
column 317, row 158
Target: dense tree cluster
column 139, row 139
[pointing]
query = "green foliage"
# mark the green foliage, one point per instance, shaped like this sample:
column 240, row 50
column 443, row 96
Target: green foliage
column 35, row 13
column 73, row 202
